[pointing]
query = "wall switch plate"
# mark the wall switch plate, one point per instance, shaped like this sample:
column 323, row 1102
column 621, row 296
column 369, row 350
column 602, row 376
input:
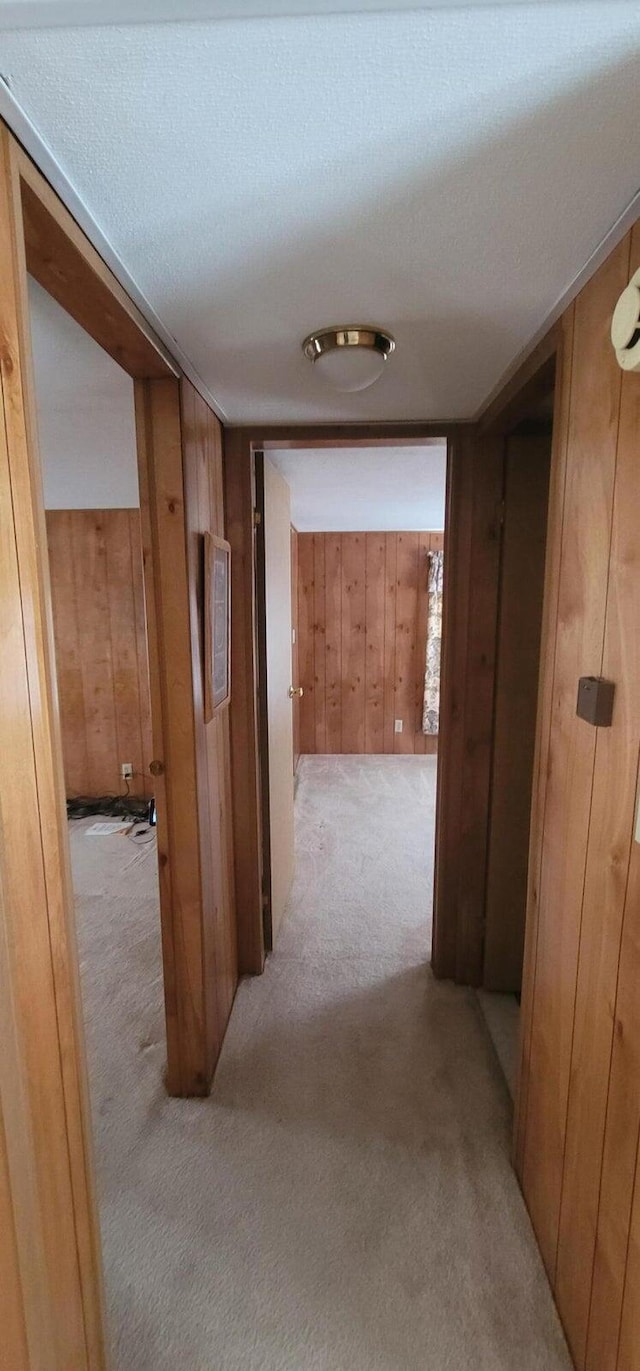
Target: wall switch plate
column 293, row 636
column 595, row 701
column 398, row 725
column 126, row 771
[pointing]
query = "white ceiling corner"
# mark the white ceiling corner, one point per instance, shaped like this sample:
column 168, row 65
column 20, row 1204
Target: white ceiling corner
column 444, row 173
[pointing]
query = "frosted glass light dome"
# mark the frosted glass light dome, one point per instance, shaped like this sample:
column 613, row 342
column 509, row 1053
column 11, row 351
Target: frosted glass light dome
column 351, row 358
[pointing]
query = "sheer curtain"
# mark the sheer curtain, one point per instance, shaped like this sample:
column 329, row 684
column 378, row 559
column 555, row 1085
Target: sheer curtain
column 431, row 711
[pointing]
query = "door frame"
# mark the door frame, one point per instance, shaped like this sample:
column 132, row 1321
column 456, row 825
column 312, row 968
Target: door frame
column 244, row 453
column 473, row 540
column 51, row 1249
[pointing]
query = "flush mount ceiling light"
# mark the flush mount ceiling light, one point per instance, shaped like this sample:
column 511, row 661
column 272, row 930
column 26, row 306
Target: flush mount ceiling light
column 349, row 358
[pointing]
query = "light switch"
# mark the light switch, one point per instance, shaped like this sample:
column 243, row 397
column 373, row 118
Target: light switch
column 398, row 725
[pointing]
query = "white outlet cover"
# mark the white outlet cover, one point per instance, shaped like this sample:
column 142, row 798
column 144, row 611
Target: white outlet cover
column 398, row 725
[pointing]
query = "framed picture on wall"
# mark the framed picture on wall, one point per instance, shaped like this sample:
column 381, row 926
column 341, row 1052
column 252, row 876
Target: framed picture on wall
column 217, row 625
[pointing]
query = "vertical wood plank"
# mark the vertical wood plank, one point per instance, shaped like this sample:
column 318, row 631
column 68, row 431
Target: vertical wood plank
column 617, row 1256
column 92, row 595
column 455, row 642
column 295, row 645
column 557, row 487
column 247, row 819
column 319, row 643
column 390, row 613
column 425, row 543
column 333, row 640
column 68, row 646
column 306, row 644
column 353, row 641
column 629, row 1337
column 479, row 687
column 124, row 647
column 375, row 566
column 142, row 652
column 408, row 547
column 516, row 699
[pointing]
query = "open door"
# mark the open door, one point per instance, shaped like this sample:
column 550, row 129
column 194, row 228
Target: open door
column 279, row 686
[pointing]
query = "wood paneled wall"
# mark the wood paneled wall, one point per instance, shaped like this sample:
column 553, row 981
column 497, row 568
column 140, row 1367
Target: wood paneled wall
column 475, row 487
column 95, row 559
column 578, row 1118
column 362, row 632
column 205, row 513
column 528, row 460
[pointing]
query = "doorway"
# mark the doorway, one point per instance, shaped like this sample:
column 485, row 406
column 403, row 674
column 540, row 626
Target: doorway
column 350, row 588
column 527, row 471
column 87, row 442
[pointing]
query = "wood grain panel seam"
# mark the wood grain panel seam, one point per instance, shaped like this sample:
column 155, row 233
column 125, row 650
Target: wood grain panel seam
column 542, row 762
column 588, row 843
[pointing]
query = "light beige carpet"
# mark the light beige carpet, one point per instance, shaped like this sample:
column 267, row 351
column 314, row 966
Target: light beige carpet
column 344, row 1201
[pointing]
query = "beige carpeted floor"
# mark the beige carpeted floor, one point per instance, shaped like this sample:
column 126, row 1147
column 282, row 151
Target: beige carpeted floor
column 344, row 1201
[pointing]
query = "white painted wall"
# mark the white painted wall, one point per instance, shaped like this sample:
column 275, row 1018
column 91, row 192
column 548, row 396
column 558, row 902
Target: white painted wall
column 86, row 423
column 351, row 490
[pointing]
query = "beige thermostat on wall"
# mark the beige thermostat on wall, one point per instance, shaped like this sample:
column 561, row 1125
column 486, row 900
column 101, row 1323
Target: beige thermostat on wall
column 625, row 326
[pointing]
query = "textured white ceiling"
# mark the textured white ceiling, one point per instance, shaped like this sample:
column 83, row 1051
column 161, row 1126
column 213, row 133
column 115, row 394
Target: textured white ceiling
column 86, row 425
column 445, row 174
column 40, row 13
column 348, row 490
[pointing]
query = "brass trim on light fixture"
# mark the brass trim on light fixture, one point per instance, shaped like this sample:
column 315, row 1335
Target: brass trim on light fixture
column 349, row 336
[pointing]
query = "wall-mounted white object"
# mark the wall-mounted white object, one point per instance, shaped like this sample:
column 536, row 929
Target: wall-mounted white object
column 625, row 326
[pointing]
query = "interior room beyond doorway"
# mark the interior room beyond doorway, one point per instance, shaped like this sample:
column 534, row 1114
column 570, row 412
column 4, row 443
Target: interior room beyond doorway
column 352, row 671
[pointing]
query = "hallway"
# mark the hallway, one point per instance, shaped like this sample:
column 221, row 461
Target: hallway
column 344, row 1201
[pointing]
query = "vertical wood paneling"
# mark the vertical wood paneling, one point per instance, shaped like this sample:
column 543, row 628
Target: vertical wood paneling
column 295, row 647
column 595, row 392
column 578, row 1117
column 629, row 1341
column 95, row 559
column 352, row 627
column 479, row 690
column 455, row 643
column 306, row 640
column 68, row 651
column 333, row 641
column 390, row 615
column 362, row 649
column 240, row 496
column 609, row 842
column 408, row 547
column 516, row 701
column 319, row 666
column 559, row 461
column 374, row 617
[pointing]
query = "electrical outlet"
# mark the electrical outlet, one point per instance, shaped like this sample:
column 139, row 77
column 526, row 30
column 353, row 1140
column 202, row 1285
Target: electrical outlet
column 126, row 771
column 398, row 725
